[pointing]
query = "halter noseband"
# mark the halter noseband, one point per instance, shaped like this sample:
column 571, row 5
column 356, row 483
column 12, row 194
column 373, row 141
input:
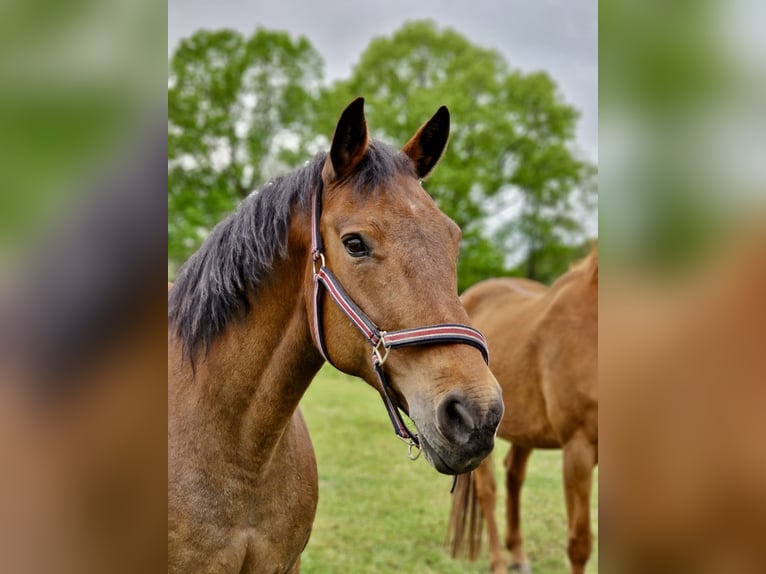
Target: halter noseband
column 381, row 341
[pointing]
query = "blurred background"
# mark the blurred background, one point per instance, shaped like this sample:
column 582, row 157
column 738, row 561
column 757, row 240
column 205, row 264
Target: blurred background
column 682, row 319
column 83, row 413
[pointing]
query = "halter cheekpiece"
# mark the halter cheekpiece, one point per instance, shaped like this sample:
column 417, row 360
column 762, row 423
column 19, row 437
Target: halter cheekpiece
column 381, row 341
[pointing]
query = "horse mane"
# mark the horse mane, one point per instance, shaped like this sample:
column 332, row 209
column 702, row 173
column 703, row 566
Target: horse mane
column 586, row 267
column 590, row 266
column 212, row 287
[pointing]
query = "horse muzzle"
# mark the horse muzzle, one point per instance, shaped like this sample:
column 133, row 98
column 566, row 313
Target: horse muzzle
column 460, row 433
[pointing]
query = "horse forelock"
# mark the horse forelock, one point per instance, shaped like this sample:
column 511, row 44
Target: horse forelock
column 379, row 166
column 213, row 285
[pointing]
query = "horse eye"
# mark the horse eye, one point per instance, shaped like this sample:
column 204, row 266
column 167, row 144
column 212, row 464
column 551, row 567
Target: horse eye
column 355, row 246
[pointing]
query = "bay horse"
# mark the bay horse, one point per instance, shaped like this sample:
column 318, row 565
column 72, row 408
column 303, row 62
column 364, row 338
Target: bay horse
column 305, row 270
column 544, row 346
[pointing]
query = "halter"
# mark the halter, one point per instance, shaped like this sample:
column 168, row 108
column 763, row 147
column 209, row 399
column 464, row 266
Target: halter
column 381, row 341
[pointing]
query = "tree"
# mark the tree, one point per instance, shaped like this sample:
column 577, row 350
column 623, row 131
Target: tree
column 239, row 113
column 510, row 177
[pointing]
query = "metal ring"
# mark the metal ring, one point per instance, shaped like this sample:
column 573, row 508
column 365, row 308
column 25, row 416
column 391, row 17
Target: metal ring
column 409, row 450
column 316, row 259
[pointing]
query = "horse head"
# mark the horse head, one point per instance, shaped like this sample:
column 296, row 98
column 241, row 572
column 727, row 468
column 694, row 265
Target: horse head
column 395, row 255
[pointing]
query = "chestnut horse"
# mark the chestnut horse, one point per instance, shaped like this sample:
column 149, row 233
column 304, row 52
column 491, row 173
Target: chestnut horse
column 254, row 313
column 544, row 345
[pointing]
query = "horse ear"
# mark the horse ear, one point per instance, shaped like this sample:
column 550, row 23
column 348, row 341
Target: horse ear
column 349, row 142
column 427, row 145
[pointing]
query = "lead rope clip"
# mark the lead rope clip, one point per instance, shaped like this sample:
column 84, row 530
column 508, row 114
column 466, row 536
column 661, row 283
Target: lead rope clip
column 411, row 444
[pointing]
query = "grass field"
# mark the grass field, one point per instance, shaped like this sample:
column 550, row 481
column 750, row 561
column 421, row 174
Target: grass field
column 379, row 513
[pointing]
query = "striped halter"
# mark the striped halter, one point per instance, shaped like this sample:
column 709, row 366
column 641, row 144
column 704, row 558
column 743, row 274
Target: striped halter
column 381, row 341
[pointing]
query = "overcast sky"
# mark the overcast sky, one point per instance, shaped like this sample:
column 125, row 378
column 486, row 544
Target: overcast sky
column 559, row 36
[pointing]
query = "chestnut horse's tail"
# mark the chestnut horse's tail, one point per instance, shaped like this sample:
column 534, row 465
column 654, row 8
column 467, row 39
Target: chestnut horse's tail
column 466, row 519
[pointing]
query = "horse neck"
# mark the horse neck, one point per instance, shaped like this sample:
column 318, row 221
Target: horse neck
column 250, row 383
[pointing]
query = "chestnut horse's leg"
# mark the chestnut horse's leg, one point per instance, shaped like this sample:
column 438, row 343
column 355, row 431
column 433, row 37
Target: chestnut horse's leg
column 516, row 471
column 579, row 460
column 486, row 492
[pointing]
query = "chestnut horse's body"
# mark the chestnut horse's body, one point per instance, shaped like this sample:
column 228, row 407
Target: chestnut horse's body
column 544, row 347
column 242, row 476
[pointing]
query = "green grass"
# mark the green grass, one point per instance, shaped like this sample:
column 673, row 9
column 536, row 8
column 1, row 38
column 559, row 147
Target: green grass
column 379, row 512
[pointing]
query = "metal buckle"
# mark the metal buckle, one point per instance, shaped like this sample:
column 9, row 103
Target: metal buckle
column 376, row 349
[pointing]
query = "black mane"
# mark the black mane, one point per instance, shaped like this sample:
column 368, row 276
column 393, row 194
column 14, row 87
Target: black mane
column 212, row 286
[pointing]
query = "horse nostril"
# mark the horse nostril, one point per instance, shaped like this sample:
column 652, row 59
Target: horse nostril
column 455, row 420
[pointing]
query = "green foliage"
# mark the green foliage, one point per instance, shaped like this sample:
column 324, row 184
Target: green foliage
column 378, row 512
column 510, row 148
column 243, row 109
column 238, row 111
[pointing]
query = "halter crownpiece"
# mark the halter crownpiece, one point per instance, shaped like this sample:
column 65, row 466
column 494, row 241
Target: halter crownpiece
column 382, row 342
